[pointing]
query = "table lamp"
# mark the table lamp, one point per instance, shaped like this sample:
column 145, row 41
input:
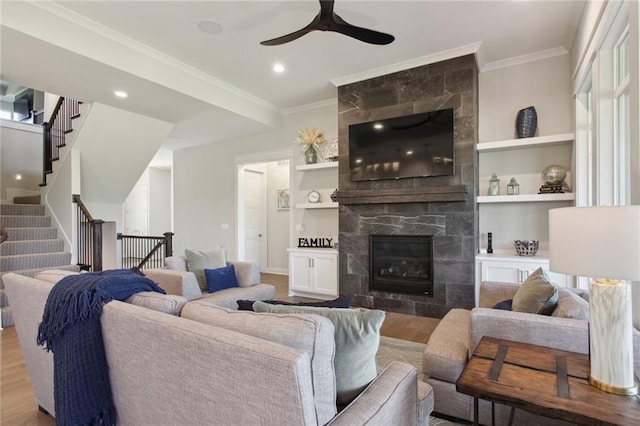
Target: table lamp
column 602, row 243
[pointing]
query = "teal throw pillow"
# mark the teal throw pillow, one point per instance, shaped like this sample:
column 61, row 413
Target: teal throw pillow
column 536, row 295
column 199, row 260
column 221, row 278
column 357, row 337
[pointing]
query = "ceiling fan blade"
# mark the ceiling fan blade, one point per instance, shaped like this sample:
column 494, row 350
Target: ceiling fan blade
column 287, row 38
column 363, row 34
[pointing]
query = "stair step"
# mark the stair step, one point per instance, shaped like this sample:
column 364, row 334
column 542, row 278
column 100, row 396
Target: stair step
column 4, row 301
column 6, row 317
column 27, row 199
column 24, row 221
column 32, row 272
column 21, row 234
column 33, row 261
column 21, row 209
column 10, row 248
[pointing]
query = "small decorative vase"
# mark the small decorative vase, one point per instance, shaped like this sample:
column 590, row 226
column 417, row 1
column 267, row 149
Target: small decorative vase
column 526, row 122
column 310, row 155
column 334, row 196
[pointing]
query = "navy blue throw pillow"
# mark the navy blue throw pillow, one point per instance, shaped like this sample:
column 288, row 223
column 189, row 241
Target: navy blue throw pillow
column 220, row 278
column 505, row 305
column 340, row 302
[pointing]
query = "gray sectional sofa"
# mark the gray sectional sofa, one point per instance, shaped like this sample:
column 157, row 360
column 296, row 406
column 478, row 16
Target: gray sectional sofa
column 179, row 362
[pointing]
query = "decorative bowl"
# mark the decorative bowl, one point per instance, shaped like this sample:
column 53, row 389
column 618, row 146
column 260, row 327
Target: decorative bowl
column 526, row 247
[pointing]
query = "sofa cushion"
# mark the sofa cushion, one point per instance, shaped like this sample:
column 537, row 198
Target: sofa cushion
column 176, row 263
column 536, row 295
column 311, row 334
column 167, row 303
column 220, row 278
column 570, row 305
column 53, row 275
column 199, row 260
column 448, row 347
column 357, row 337
column 340, row 302
column 505, row 305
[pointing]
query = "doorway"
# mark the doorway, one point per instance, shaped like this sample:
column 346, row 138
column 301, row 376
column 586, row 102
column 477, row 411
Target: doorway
column 263, row 211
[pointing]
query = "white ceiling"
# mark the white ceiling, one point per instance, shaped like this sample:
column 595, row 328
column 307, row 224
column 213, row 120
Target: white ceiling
column 215, row 87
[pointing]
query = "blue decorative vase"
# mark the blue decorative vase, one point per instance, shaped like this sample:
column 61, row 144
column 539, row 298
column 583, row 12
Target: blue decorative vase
column 527, row 122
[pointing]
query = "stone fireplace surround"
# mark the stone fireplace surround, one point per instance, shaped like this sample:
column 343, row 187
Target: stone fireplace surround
column 442, row 206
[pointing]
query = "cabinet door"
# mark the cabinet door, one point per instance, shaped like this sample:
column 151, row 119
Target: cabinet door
column 325, row 274
column 515, row 272
column 300, row 272
column 504, row 272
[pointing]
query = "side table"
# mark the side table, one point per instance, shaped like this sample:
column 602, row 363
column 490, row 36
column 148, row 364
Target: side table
column 544, row 381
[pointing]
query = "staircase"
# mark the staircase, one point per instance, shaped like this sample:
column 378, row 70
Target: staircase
column 33, row 246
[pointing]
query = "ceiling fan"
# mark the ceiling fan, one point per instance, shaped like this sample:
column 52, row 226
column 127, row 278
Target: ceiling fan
column 327, row 20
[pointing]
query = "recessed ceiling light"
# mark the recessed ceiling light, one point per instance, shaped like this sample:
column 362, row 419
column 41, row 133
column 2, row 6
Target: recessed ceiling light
column 208, row 26
column 409, row 152
column 278, row 68
column 120, row 93
column 358, row 160
column 378, row 126
column 18, row 176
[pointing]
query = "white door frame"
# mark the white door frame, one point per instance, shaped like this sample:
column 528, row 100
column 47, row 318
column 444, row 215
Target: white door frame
column 253, row 158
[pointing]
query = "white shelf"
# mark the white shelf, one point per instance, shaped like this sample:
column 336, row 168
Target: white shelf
column 328, row 205
column 526, row 198
column 525, row 142
column 316, row 166
column 539, row 257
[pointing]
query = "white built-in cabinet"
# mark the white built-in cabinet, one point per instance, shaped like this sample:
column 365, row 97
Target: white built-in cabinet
column 313, row 272
column 523, row 216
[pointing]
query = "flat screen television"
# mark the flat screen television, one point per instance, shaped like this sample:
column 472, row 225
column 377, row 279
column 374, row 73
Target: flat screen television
column 417, row 145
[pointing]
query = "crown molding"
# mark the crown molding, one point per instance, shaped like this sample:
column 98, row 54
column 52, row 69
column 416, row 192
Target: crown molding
column 524, row 59
column 411, row 63
column 311, row 106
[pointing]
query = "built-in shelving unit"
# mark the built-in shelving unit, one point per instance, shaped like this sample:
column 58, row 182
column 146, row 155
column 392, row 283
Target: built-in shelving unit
column 328, row 205
column 526, row 198
column 522, row 216
column 550, row 140
column 316, row 166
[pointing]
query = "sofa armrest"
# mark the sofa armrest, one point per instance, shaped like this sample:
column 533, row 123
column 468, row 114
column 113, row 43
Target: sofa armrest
column 181, row 283
column 492, row 292
column 247, row 273
column 390, row 399
column 561, row 333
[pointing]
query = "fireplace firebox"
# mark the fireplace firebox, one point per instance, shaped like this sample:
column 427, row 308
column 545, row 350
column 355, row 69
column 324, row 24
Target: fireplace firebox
column 401, row 264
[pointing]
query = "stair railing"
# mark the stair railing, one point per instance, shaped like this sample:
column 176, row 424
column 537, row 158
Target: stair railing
column 89, row 234
column 145, row 252
column 54, row 131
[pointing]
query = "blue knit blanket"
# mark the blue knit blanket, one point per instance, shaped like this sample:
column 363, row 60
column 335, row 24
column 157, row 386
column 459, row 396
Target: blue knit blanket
column 71, row 329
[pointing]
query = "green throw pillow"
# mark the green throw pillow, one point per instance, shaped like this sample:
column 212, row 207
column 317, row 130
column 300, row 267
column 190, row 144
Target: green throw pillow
column 536, row 295
column 357, row 336
column 199, row 260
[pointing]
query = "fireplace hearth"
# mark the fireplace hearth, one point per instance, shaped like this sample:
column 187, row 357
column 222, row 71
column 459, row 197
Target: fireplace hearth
column 401, row 264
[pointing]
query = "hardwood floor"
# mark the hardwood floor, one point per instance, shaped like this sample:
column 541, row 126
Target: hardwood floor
column 17, row 404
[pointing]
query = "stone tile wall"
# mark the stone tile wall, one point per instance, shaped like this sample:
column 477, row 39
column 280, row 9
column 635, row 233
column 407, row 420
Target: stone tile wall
column 446, row 84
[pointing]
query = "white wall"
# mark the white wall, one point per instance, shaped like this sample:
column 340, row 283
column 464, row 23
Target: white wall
column 277, row 220
column 20, row 153
column 205, row 179
column 159, row 201
column 545, row 84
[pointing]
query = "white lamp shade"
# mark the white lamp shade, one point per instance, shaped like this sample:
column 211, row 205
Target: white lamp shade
column 597, row 242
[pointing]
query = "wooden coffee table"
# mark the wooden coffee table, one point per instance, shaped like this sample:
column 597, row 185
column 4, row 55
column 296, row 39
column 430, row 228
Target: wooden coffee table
column 544, row 381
